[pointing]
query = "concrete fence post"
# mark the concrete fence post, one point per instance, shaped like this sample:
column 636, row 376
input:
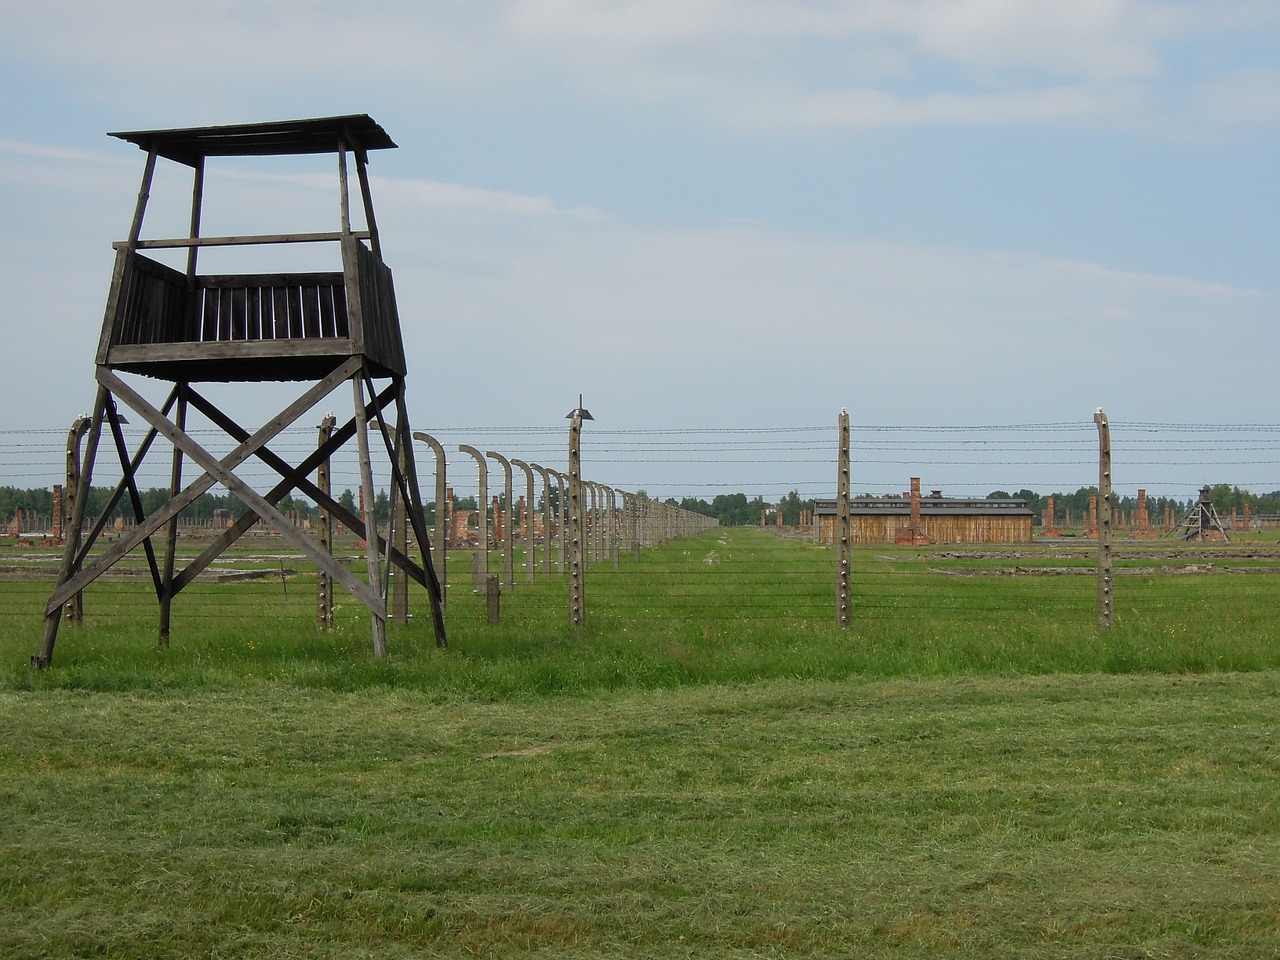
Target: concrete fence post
column 600, row 527
column 440, row 540
column 629, row 518
column 611, row 505
column 482, row 501
column 324, row 532
column 73, row 609
column 843, row 532
column 1106, row 599
column 562, row 518
column 529, row 532
column 549, row 533
column 508, row 526
column 577, row 565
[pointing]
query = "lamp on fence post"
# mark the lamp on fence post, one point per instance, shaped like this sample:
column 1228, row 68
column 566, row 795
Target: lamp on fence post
column 577, row 588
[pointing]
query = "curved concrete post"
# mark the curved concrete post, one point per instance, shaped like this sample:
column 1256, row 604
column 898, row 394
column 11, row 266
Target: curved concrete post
column 440, row 542
column 73, row 611
column 529, row 532
column 483, row 573
column 589, row 526
column 602, row 523
column 548, row 529
column 612, row 506
column 630, row 518
column 624, row 521
column 508, row 539
column 563, row 517
column 602, row 540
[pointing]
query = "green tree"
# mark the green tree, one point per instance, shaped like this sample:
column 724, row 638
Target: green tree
column 792, row 506
column 348, row 500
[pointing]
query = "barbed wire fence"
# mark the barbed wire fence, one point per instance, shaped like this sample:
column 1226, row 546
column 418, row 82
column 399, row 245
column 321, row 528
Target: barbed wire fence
column 651, row 552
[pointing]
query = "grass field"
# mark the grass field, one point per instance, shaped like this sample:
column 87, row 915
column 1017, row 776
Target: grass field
column 709, row 768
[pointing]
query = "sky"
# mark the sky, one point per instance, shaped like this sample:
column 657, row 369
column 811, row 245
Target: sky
column 730, row 218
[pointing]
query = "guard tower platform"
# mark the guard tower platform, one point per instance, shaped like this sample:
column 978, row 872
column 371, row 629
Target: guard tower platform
column 318, row 328
column 298, row 326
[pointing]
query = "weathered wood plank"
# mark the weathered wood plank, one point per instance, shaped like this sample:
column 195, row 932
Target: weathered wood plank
column 268, row 279
column 209, row 317
column 132, row 354
column 310, row 311
column 280, row 312
column 248, row 240
column 342, row 326
column 293, row 295
column 225, row 312
column 325, row 294
column 239, row 313
column 253, row 313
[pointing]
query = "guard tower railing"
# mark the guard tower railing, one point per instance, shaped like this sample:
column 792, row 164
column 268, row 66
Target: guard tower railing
column 282, row 326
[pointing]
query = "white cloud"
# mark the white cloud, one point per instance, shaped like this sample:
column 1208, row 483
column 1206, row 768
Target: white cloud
column 1249, row 96
column 430, row 193
column 40, row 151
column 736, row 293
column 1100, row 40
column 796, row 64
column 867, row 108
column 931, row 61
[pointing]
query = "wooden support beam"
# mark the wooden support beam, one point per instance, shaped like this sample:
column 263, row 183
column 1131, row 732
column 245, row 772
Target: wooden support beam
column 377, row 603
column 193, row 491
column 247, row 240
column 171, row 535
column 70, row 553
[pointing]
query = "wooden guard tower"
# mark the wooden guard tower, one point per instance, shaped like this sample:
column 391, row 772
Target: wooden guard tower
column 319, row 330
column 1201, row 521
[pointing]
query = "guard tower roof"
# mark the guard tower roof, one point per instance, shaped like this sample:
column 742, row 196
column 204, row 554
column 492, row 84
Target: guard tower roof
column 281, row 137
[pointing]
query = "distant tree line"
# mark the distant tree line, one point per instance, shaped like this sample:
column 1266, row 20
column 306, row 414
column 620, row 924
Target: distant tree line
column 40, row 502
column 735, row 510
column 731, row 509
column 1224, row 496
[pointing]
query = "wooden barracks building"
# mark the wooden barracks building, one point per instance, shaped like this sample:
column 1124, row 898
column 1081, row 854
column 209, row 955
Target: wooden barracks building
column 913, row 519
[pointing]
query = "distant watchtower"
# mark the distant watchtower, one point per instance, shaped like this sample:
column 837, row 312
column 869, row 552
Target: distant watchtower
column 321, row 330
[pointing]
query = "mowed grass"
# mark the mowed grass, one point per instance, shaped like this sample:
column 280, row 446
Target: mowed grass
column 709, row 768
column 1028, row 817
column 731, row 606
